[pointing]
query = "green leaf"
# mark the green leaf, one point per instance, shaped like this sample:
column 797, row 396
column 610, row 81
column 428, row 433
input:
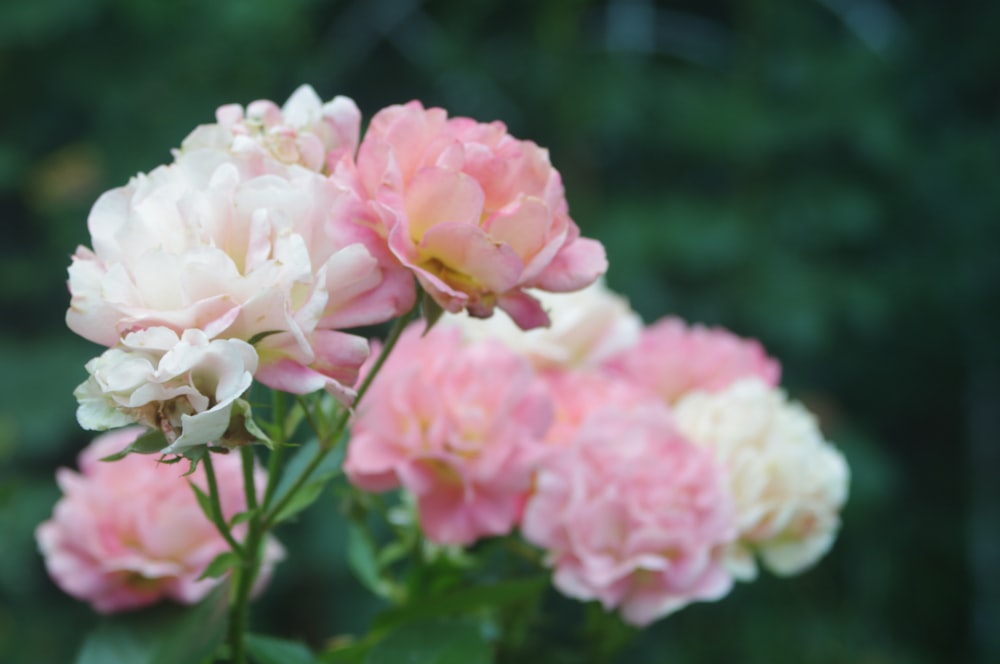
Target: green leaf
column 203, row 501
column 269, row 650
column 432, row 642
column 327, row 468
column 221, row 564
column 242, row 517
column 305, row 497
column 431, row 310
column 363, row 559
column 151, row 442
column 165, row 634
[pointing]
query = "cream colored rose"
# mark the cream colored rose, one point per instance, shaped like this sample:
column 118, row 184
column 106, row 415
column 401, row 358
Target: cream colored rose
column 789, row 483
column 587, row 327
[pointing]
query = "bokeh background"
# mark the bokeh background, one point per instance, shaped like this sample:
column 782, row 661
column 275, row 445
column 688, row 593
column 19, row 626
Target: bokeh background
column 819, row 174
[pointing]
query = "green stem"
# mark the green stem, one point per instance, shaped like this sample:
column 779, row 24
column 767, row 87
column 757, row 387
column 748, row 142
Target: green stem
column 217, row 517
column 246, row 573
column 274, row 460
column 327, row 444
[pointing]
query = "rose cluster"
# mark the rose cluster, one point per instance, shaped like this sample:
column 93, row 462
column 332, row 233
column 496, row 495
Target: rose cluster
column 653, row 464
column 276, row 230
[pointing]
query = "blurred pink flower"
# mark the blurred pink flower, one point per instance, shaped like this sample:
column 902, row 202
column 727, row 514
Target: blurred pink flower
column 129, row 533
column 672, row 359
column 457, row 426
column 476, row 214
column 272, row 259
column 633, row 515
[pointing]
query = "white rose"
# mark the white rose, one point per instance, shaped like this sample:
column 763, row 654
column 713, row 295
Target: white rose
column 588, row 326
column 184, row 386
column 789, row 483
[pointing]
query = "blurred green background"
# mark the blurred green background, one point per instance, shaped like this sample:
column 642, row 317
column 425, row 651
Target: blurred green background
column 820, row 174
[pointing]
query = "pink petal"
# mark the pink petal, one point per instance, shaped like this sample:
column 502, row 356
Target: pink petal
column 578, row 264
column 436, row 196
column 524, row 310
column 468, row 251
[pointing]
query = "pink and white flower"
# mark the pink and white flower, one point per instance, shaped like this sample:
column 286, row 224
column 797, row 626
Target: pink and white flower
column 478, row 215
column 305, row 131
column 672, row 359
column 272, row 259
column 788, row 482
column 460, row 427
column 184, row 386
column 633, row 515
column 129, row 533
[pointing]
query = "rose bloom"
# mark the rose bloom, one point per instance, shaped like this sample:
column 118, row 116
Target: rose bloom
column 633, row 515
column 305, row 131
column 587, row 327
column 271, row 259
column 129, row 533
column 460, row 427
column 185, row 387
column 578, row 393
column 788, row 482
column 478, row 215
column 672, row 359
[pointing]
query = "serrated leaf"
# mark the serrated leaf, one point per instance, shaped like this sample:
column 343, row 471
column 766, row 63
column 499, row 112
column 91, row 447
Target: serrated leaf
column 165, row 634
column 305, row 497
column 269, row 650
column 220, row 565
column 432, row 642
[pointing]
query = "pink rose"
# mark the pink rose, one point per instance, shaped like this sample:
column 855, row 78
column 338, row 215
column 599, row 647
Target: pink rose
column 633, row 515
column 673, row 359
column 458, row 426
column 129, row 533
column 475, row 213
column 577, row 394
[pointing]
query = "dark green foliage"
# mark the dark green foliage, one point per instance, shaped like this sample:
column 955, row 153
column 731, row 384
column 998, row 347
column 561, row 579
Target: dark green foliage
column 820, row 175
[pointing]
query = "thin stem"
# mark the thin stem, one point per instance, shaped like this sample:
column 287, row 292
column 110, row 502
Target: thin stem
column 217, row 517
column 327, row 444
column 246, row 573
column 274, row 460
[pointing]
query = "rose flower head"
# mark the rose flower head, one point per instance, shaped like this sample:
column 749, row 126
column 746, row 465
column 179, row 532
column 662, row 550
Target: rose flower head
column 458, row 426
column 788, row 482
column 184, row 386
column 673, row 358
column 273, row 260
column 633, row 515
column 305, row 131
column 128, row 533
column 587, row 327
column 478, row 215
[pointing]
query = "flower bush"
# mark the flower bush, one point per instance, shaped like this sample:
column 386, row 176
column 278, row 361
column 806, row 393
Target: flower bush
column 542, row 429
